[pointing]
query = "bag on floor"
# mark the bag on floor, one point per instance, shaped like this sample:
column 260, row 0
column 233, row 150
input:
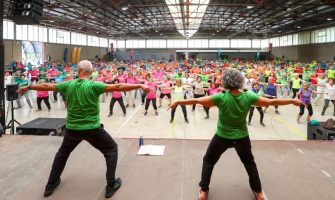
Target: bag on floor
column 330, row 124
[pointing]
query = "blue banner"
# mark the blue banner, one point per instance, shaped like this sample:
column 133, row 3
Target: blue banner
column 258, row 53
column 219, row 52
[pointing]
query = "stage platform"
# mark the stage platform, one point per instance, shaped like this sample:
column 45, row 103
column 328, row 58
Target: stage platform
column 289, row 170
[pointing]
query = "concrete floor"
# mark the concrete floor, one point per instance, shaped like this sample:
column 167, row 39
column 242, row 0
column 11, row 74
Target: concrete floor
column 299, row 170
column 278, row 127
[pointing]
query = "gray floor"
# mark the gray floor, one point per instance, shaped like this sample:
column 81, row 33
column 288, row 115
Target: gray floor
column 278, row 127
column 288, row 170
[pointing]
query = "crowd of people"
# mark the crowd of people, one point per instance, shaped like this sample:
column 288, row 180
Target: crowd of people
column 193, row 78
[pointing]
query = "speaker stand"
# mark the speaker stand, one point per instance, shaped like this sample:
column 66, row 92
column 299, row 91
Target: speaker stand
column 11, row 122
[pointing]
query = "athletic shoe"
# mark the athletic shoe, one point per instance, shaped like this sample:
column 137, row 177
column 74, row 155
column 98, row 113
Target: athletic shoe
column 262, row 124
column 193, row 110
column 111, row 190
column 277, row 112
column 202, row 194
column 171, row 120
column 145, row 113
column 124, row 114
column 49, row 189
column 186, row 120
column 156, row 113
column 322, row 114
column 133, row 105
column 142, row 104
column 38, row 110
column 248, row 123
column 314, row 104
column 30, row 107
column 49, row 109
column 206, row 117
column 308, row 120
column 298, row 121
column 159, row 106
column 127, row 105
column 110, row 114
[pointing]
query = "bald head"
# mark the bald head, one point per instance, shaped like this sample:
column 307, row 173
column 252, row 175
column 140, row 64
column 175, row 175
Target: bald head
column 85, row 67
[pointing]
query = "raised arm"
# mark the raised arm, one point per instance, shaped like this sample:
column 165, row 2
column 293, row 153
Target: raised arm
column 277, row 102
column 205, row 101
column 39, row 87
column 126, row 87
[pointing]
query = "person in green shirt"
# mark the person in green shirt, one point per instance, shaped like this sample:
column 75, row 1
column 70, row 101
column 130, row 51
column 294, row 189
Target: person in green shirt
column 306, row 74
column 179, row 74
column 94, row 74
column 42, row 75
column 83, row 123
column 23, row 83
column 296, row 81
column 205, row 78
column 232, row 130
column 255, row 90
column 64, row 73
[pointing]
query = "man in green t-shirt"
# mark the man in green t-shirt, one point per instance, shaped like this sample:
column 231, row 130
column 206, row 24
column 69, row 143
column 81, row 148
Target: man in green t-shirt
column 23, row 83
column 306, row 74
column 232, row 130
column 83, row 123
column 205, row 78
column 179, row 74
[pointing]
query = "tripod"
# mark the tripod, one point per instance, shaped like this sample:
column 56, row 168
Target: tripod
column 11, row 122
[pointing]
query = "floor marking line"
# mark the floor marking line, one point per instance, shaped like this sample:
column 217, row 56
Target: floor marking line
column 171, row 128
column 326, row 174
column 300, row 151
column 291, row 127
column 117, row 164
column 126, row 121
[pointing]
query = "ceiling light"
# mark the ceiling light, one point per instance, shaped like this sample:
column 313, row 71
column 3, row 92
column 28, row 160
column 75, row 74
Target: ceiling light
column 279, row 31
column 223, row 26
column 218, row 31
column 97, row 32
column 124, row 8
column 249, row 7
column 329, row 19
column 52, row 21
column 161, row 34
column 110, row 35
column 234, row 17
column 156, row 31
column 213, row 33
column 298, row 27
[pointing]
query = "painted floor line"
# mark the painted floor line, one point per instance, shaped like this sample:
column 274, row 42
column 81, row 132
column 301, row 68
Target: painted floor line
column 291, row 127
column 171, row 128
column 126, row 121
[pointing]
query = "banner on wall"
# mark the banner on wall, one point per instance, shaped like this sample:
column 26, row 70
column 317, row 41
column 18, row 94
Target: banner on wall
column 171, row 54
column 73, row 56
column 219, row 52
column 131, row 54
column 78, row 55
column 65, row 55
column 258, row 53
column 112, row 47
column 270, row 47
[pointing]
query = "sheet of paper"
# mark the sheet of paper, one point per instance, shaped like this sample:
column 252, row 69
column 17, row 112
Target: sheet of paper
column 144, row 150
column 157, row 151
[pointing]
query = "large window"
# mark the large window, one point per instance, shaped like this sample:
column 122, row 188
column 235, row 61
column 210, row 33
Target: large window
column 295, row 39
column 265, row 43
column 52, row 35
column 256, row 44
column 176, row 43
column 120, row 44
column 322, row 36
column 156, row 44
column 43, row 34
column 219, row 43
column 8, row 30
column 103, row 42
column 21, row 32
column 240, row 43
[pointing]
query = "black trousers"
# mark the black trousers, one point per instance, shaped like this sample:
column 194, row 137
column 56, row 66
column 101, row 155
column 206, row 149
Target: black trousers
column 295, row 91
column 143, row 96
column 183, row 107
column 309, row 108
column 46, row 101
column 326, row 105
column 61, row 94
column 260, row 110
column 120, row 100
column 217, row 147
column 198, row 96
column 98, row 138
column 147, row 102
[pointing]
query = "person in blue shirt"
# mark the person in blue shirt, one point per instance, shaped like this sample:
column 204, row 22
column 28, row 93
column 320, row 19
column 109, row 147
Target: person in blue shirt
column 58, row 79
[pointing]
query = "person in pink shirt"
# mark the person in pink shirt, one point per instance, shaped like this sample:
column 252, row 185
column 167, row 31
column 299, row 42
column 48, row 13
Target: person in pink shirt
column 164, row 84
column 151, row 96
column 158, row 74
column 101, row 79
column 117, row 97
column 109, row 77
column 34, row 75
column 121, row 77
column 53, row 71
column 138, row 80
column 213, row 89
column 43, row 95
column 130, row 94
column 67, row 68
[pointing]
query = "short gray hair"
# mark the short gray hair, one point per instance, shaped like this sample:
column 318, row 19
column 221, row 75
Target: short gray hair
column 86, row 66
column 232, row 79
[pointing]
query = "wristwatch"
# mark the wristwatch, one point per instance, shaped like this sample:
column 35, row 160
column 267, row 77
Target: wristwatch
column 29, row 87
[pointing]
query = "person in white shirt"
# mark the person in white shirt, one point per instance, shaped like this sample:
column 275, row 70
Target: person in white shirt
column 188, row 79
column 8, row 79
column 330, row 94
column 247, row 83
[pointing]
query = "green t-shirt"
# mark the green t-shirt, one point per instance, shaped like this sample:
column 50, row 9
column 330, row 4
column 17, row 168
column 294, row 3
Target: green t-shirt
column 305, row 74
column 233, row 111
column 296, row 83
column 64, row 74
column 21, row 70
column 331, row 73
column 60, row 69
column 94, row 75
column 284, row 80
column 178, row 93
column 82, row 99
column 179, row 76
column 205, row 79
column 17, row 79
column 24, row 84
column 40, row 76
column 42, row 70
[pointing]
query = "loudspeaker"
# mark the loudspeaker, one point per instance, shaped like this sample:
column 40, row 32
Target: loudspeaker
column 49, row 58
column 25, row 11
column 283, row 56
column 11, row 92
column 1, row 130
column 96, row 56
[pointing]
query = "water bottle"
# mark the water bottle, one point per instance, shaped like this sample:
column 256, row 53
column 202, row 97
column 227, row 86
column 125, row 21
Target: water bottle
column 141, row 141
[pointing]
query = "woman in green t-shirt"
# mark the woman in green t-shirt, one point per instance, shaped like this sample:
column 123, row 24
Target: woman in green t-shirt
column 296, row 81
column 178, row 95
column 232, row 130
